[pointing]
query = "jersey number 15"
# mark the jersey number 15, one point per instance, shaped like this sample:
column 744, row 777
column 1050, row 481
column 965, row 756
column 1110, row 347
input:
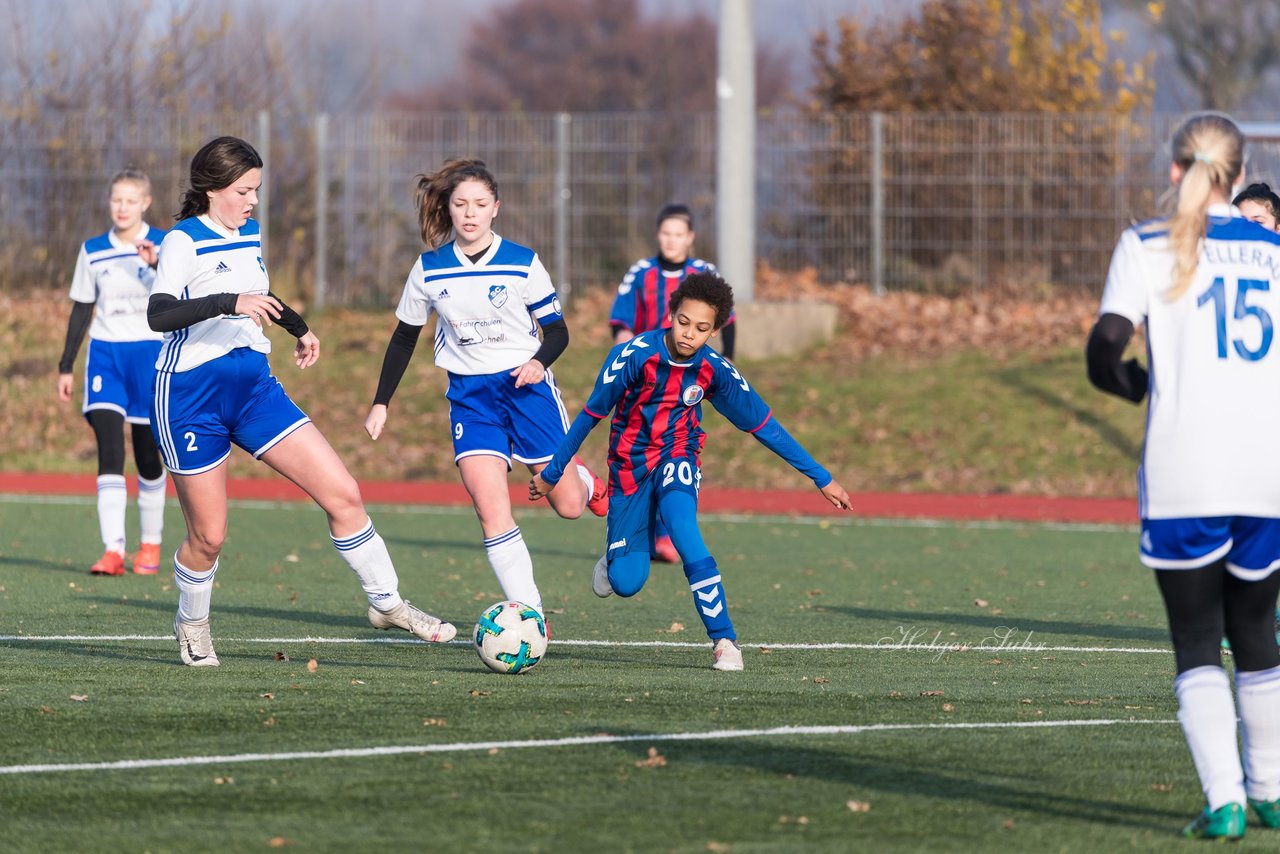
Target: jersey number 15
column 1217, row 294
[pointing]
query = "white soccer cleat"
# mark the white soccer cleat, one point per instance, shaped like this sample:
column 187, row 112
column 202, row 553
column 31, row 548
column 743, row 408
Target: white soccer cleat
column 413, row 620
column 195, row 644
column 728, row 655
column 600, row 579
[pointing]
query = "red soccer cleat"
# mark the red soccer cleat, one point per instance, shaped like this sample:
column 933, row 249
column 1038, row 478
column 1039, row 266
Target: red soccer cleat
column 598, row 502
column 147, row 560
column 665, row 550
column 111, row 563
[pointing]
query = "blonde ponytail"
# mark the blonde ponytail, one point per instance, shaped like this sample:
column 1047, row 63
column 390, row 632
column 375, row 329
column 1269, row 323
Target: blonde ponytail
column 1209, row 148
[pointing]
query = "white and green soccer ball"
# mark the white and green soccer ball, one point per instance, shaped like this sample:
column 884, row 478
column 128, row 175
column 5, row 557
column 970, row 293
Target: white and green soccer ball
column 510, row 637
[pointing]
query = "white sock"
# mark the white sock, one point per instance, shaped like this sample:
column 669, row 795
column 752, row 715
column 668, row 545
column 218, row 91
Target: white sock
column 1208, row 717
column 195, row 590
column 1259, row 701
column 366, row 553
column 584, row 474
column 151, row 508
column 112, row 500
column 509, row 557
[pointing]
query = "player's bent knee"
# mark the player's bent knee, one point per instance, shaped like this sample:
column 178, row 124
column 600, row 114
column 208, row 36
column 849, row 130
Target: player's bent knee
column 628, row 574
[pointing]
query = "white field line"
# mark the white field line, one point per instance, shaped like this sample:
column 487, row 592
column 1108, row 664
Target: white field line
column 473, row 747
column 735, row 518
column 929, row 645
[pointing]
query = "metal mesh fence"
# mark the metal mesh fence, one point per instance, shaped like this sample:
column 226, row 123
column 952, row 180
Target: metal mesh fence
column 945, row 202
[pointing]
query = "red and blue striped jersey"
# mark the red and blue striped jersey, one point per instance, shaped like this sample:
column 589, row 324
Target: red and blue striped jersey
column 657, row 405
column 645, row 292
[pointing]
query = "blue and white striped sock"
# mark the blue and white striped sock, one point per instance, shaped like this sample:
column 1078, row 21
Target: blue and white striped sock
column 195, row 590
column 708, row 598
column 112, row 500
column 509, row 557
column 366, row 553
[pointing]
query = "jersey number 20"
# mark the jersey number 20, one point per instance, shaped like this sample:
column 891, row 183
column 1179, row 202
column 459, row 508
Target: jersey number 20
column 1217, row 294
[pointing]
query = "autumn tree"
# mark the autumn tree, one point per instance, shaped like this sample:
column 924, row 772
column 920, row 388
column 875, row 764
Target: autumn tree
column 952, row 178
column 979, row 56
column 590, row 55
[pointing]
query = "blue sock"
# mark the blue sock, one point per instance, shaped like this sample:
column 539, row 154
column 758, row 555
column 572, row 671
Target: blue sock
column 708, row 598
column 680, row 512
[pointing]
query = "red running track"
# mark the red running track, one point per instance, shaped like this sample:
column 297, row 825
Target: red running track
column 887, row 505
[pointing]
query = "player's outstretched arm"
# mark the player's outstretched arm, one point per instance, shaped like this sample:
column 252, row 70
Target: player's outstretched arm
column 835, row 493
column 396, row 361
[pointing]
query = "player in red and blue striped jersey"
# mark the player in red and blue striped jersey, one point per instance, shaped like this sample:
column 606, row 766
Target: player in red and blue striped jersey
column 643, row 296
column 655, row 384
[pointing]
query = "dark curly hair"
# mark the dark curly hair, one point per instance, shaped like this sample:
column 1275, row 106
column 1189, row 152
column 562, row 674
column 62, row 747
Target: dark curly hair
column 708, row 288
column 1263, row 195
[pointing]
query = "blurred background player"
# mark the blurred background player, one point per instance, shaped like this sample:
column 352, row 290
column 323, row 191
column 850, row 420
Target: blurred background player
column 109, row 290
column 492, row 296
column 214, row 387
column 662, row 378
column 643, row 297
column 1204, row 284
column 1258, row 203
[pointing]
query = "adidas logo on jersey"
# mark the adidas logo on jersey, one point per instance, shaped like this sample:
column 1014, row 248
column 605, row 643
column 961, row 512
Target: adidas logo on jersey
column 443, row 294
column 222, row 267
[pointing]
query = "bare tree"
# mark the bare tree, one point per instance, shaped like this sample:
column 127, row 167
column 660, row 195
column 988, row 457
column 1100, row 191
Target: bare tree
column 1224, row 48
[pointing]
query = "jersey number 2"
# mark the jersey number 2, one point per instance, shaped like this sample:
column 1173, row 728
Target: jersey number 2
column 1217, row 294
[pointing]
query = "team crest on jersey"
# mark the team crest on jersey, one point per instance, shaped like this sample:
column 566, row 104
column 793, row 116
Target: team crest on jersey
column 692, row 395
column 498, row 295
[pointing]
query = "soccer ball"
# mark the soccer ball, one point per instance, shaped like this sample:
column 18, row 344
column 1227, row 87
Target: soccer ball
column 510, row 637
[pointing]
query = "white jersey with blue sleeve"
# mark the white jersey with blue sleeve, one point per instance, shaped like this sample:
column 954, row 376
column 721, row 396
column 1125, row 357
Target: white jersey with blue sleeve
column 1214, row 406
column 198, row 259
column 489, row 311
column 111, row 275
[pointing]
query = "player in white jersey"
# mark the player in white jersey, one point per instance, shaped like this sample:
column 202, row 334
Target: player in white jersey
column 214, row 387
column 109, row 292
column 492, row 297
column 1206, row 285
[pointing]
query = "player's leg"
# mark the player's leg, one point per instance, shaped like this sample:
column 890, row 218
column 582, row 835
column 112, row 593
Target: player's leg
column 140, row 379
column 151, row 488
column 192, row 438
column 679, row 506
column 624, row 569
column 203, row 499
column 105, row 399
column 1249, row 596
column 538, row 422
column 485, row 478
column 1193, row 599
column 304, row 456
column 113, row 498
column 482, row 431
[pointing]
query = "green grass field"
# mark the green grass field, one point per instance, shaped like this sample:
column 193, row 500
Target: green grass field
column 1029, row 708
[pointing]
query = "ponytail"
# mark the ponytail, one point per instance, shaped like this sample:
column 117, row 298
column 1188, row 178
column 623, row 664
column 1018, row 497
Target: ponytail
column 1209, row 148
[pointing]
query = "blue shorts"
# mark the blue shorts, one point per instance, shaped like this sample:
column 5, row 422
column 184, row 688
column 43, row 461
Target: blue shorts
column 233, row 398
column 632, row 519
column 118, row 376
column 489, row 416
column 1250, row 544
